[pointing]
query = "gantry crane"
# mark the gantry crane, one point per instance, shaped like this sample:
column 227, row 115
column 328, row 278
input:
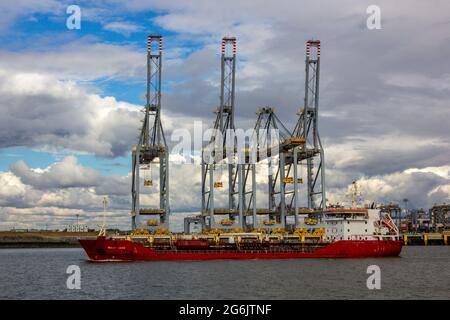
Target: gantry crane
column 302, row 147
column 272, row 140
column 284, row 154
column 220, row 151
column 151, row 151
column 307, row 128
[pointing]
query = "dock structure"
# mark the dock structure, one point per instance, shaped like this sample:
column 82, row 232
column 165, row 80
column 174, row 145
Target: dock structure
column 151, row 154
column 433, row 238
column 440, row 216
column 420, row 226
column 417, row 219
column 284, row 151
column 394, row 211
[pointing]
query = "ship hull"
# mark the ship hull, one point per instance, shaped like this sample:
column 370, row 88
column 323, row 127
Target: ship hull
column 101, row 249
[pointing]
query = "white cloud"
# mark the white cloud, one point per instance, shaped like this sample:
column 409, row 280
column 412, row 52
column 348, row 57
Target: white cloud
column 78, row 60
column 65, row 174
column 443, row 171
column 40, row 111
column 11, row 187
column 10, row 10
column 418, row 81
column 122, row 27
column 422, row 189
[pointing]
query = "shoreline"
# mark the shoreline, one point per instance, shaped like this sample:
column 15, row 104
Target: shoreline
column 38, row 245
column 42, row 239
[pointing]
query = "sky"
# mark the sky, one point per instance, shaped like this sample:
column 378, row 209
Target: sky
column 70, row 99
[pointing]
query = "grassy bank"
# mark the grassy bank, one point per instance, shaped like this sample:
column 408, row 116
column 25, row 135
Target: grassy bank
column 42, row 239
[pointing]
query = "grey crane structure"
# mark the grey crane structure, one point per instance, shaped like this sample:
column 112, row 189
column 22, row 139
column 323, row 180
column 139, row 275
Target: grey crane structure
column 300, row 147
column 151, row 149
column 272, row 139
column 223, row 129
column 307, row 128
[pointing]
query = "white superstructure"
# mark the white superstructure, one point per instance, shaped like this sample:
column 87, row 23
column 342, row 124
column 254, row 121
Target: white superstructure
column 357, row 224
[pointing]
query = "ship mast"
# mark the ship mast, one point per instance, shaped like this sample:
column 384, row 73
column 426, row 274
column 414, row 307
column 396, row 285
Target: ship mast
column 102, row 232
column 355, row 194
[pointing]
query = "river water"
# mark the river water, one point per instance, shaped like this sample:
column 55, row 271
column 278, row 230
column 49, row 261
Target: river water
column 419, row 273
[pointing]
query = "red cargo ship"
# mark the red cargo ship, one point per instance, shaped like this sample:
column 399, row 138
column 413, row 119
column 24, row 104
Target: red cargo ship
column 340, row 233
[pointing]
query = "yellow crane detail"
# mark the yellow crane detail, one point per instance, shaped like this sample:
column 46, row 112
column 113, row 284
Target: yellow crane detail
column 290, row 180
column 152, row 222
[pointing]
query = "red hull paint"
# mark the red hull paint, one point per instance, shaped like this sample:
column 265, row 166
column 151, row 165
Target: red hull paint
column 102, row 249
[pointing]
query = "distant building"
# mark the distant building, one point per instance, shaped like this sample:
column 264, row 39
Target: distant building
column 19, row 230
column 77, row 228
